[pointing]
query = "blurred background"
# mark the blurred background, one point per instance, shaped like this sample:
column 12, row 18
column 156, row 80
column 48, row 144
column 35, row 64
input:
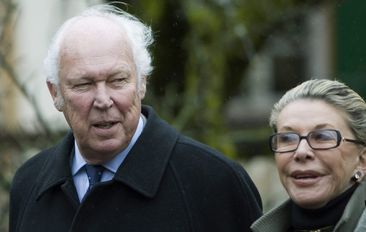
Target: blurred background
column 219, row 67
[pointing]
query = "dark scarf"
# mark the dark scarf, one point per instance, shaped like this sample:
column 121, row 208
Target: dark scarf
column 323, row 219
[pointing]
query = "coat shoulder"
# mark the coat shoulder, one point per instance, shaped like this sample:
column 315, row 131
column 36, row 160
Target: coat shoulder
column 23, row 184
column 199, row 154
column 215, row 185
column 30, row 168
column 200, row 162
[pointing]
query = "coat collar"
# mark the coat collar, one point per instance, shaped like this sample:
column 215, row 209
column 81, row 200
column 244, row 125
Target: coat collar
column 142, row 170
column 353, row 210
column 57, row 170
column 277, row 219
column 145, row 165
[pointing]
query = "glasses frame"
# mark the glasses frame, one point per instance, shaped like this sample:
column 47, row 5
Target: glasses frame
column 306, row 137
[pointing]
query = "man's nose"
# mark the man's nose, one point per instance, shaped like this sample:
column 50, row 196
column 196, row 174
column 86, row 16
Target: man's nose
column 102, row 99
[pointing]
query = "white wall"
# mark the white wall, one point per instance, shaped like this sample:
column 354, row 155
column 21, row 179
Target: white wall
column 320, row 42
column 37, row 21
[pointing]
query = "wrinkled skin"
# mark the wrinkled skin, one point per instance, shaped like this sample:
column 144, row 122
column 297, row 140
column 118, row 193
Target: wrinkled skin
column 98, row 88
column 314, row 177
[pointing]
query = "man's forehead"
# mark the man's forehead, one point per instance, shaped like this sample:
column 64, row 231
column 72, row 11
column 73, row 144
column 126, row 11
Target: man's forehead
column 88, row 33
column 93, row 27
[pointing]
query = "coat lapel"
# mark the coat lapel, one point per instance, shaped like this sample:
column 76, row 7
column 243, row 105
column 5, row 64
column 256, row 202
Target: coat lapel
column 146, row 163
column 142, row 170
column 57, row 172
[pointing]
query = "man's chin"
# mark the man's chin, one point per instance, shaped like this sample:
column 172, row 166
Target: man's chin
column 104, row 151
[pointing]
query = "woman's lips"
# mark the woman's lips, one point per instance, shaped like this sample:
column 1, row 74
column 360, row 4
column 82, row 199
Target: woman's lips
column 305, row 178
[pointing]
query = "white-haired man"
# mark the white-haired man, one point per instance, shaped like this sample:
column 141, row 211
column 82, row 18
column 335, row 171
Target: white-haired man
column 121, row 168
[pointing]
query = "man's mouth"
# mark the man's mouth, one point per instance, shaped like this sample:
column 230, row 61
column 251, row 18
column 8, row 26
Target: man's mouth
column 104, row 125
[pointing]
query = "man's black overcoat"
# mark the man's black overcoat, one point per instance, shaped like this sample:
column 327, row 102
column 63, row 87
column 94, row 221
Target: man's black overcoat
column 167, row 183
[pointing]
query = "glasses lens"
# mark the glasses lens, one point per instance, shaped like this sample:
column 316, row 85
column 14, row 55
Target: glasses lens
column 283, row 142
column 323, row 139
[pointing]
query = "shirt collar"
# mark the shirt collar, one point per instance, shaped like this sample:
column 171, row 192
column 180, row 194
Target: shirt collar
column 78, row 161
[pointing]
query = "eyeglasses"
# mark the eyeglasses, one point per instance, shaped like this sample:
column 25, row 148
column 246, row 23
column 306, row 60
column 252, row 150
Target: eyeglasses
column 317, row 140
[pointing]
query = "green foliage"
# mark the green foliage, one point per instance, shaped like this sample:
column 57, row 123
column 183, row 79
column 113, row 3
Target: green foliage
column 201, row 54
column 202, row 50
column 350, row 45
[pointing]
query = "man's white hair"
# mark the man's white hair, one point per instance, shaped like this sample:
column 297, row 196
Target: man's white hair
column 139, row 36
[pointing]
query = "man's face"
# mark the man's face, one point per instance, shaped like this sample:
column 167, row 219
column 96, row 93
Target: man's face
column 98, row 84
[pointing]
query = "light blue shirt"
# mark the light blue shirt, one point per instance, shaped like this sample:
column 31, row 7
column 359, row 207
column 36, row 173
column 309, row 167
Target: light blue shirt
column 79, row 174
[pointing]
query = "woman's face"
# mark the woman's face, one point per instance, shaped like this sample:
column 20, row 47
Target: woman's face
column 314, row 177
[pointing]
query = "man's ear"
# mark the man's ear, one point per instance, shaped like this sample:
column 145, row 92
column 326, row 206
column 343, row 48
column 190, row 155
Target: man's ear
column 57, row 99
column 53, row 90
column 142, row 88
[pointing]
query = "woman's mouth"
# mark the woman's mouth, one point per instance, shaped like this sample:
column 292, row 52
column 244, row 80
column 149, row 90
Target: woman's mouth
column 305, row 178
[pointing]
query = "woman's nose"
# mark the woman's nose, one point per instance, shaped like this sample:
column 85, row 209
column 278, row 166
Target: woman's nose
column 303, row 151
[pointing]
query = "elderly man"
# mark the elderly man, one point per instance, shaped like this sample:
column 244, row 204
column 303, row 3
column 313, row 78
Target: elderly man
column 121, row 167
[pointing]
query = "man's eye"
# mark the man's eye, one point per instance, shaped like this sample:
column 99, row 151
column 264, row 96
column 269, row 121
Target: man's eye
column 118, row 81
column 82, row 85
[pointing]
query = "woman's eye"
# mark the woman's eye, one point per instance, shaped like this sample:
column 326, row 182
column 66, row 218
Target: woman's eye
column 323, row 136
column 287, row 138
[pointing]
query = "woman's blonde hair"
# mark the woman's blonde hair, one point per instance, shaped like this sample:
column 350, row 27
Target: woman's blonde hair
column 332, row 92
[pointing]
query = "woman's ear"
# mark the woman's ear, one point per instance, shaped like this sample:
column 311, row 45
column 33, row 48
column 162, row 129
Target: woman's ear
column 362, row 157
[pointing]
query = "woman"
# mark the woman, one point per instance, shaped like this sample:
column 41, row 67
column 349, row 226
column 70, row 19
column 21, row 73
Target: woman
column 320, row 152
